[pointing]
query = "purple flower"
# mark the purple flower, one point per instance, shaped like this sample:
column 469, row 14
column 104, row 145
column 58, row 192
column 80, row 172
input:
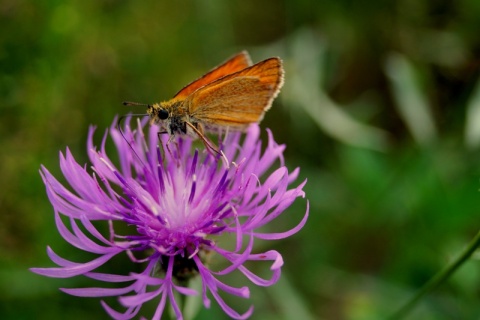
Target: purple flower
column 166, row 209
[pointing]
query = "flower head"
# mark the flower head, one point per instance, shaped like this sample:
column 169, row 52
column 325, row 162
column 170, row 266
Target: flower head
column 177, row 202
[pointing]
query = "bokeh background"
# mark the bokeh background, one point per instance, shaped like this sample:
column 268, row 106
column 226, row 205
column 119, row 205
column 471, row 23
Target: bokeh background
column 380, row 109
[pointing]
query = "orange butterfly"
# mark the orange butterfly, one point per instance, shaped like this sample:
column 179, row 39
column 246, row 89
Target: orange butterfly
column 232, row 95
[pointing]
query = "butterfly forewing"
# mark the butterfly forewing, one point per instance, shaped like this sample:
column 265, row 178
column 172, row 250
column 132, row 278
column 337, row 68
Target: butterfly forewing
column 232, row 65
column 238, row 99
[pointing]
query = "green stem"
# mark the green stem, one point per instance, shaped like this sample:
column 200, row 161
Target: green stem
column 438, row 279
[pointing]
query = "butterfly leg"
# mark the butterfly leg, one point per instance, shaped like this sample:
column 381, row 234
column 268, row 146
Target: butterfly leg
column 170, row 139
column 199, row 132
column 208, row 145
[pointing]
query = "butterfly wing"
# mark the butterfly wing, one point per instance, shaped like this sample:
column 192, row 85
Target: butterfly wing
column 232, row 65
column 238, row 99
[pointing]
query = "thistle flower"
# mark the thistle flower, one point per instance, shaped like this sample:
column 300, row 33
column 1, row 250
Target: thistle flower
column 177, row 203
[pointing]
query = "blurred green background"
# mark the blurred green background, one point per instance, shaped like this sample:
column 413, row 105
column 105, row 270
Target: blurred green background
column 380, row 109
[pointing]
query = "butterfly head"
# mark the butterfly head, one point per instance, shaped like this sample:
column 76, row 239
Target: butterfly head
column 158, row 113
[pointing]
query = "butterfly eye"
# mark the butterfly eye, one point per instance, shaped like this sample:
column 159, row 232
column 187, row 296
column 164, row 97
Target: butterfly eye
column 163, row 114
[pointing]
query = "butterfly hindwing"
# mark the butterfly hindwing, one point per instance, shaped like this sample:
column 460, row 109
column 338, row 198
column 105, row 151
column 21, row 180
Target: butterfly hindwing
column 238, row 99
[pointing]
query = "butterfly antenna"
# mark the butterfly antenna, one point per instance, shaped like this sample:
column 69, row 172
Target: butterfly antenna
column 130, row 103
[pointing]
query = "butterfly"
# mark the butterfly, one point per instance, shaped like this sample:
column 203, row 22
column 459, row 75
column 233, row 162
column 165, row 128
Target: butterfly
column 233, row 95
